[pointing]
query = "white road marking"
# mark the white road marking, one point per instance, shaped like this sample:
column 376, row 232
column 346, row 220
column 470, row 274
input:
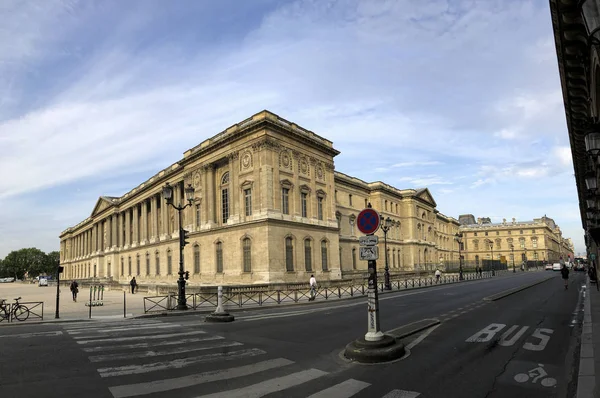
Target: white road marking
column 93, row 325
column 486, row 333
column 342, row 390
column 178, row 363
column 538, row 333
column 132, row 390
column 401, row 394
column 504, row 341
column 173, row 351
column 422, row 337
column 132, row 338
column 154, row 344
column 153, row 326
column 270, row 386
column 35, row 334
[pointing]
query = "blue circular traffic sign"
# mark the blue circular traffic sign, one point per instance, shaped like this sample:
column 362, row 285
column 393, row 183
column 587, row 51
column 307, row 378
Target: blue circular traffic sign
column 368, row 221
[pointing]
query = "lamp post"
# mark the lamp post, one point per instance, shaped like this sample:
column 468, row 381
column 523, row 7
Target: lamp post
column 492, row 250
column 512, row 254
column 525, row 250
column 458, row 238
column 387, row 223
column 183, row 234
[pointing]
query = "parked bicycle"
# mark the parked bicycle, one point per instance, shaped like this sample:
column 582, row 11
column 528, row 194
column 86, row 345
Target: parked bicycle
column 15, row 311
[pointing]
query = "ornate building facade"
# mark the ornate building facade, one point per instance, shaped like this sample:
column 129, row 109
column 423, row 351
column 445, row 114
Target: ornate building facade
column 269, row 207
column 513, row 242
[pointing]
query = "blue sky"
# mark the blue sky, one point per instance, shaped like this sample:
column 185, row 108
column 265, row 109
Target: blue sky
column 462, row 97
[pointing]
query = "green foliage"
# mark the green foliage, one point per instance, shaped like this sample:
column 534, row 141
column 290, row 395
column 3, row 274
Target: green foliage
column 31, row 260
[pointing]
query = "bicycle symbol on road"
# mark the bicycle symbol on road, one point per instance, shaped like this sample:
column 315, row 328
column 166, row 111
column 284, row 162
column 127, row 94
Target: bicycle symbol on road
column 535, row 374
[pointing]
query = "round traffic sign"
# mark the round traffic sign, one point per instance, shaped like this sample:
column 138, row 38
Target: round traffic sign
column 368, row 221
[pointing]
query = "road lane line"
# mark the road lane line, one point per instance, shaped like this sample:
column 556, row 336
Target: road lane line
column 342, row 390
column 401, row 394
column 152, row 354
column 270, row 386
column 132, row 338
column 132, row 390
column 178, row 363
column 422, row 337
column 154, row 344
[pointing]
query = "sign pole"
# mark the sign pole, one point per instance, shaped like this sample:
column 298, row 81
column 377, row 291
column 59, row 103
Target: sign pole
column 373, row 327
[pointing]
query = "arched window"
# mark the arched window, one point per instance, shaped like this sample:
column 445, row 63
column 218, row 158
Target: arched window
column 307, row 255
column 157, row 263
column 169, row 263
column 147, row 264
column 247, row 255
column 225, row 197
column 196, row 259
column 289, row 254
column 219, row 256
column 324, row 255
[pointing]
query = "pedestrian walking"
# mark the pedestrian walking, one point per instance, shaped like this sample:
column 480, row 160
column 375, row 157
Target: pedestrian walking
column 564, row 271
column 133, row 284
column 74, row 289
column 438, row 275
column 313, row 288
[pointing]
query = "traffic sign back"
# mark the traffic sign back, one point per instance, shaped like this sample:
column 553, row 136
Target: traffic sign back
column 368, row 221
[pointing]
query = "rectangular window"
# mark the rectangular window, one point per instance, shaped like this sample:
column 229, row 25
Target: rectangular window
column 225, row 204
column 198, row 213
column 353, row 258
column 169, row 264
column 196, row 259
column 486, row 234
column 248, row 201
column 122, row 267
column 289, row 254
column 522, row 243
column 304, row 200
column 320, row 207
column 137, row 266
column 247, row 255
column 534, row 243
column 285, row 200
column 521, row 232
column 157, row 264
column 474, row 233
column 366, row 202
column 307, row 256
column 219, row 257
column 324, row 255
column 350, row 199
column 147, row 264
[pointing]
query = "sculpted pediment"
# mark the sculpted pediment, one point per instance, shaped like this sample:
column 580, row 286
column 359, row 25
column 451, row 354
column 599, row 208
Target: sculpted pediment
column 425, row 195
column 102, row 204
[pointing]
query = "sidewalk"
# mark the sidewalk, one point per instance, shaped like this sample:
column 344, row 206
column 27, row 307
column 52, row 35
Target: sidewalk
column 589, row 363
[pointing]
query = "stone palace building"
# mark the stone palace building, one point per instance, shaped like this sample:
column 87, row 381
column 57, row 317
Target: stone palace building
column 269, row 207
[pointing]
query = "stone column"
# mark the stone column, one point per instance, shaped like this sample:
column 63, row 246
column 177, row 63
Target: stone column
column 144, row 224
column 234, row 189
column 154, row 219
column 127, row 214
column 209, row 201
column 120, row 230
column 164, row 210
column 136, row 229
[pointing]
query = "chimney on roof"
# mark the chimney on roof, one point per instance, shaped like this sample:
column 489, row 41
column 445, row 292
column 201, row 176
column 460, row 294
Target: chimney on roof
column 514, row 220
column 504, row 221
column 479, row 220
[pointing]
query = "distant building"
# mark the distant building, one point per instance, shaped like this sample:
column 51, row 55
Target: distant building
column 269, row 207
column 538, row 240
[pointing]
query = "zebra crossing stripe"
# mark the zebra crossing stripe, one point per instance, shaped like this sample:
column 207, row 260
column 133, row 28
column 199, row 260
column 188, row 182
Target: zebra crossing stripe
column 153, row 326
column 343, row 390
column 35, row 334
column 401, row 394
column 179, row 363
column 93, row 325
column 148, row 354
column 155, row 344
column 132, row 390
column 270, row 386
column 112, row 340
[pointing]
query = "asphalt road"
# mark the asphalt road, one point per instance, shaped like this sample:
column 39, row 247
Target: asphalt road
column 522, row 345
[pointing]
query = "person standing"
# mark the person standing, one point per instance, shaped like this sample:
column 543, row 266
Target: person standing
column 313, row 288
column 438, row 275
column 564, row 271
column 133, row 284
column 74, row 289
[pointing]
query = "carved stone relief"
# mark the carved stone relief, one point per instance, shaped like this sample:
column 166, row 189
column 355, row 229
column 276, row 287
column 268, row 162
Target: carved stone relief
column 196, row 179
column 285, row 160
column 246, row 162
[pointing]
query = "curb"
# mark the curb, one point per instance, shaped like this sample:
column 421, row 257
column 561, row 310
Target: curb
column 586, row 380
column 408, row 330
column 509, row 292
column 373, row 352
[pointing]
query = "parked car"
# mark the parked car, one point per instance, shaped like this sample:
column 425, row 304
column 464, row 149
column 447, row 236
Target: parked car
column 43, row 282
column 556, row 267
column 548, row 267
column 7, row 280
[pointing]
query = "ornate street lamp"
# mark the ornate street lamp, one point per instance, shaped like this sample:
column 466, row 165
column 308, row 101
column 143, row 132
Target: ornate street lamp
column 512, row 254
column 183, row 235
column 387, row 224
column 458, row 238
